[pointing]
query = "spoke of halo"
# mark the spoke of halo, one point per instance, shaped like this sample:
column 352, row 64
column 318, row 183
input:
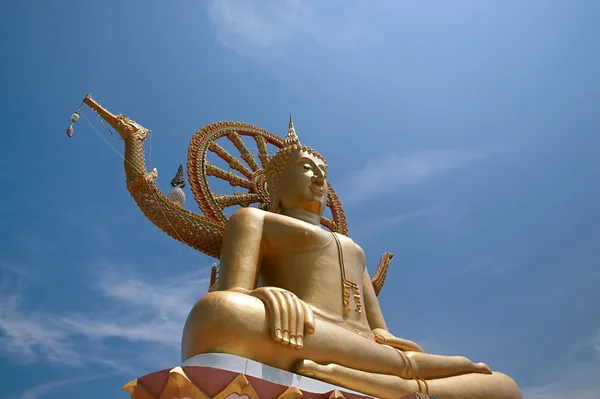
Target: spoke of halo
column 263, row 152
column 230, row 159
column 240, row 199
column 232, row 178
column 247, row 156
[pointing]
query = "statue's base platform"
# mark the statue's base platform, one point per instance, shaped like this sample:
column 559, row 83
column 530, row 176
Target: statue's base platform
column 223, row 376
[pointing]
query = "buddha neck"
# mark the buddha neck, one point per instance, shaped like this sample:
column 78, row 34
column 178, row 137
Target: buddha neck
column 302, row 214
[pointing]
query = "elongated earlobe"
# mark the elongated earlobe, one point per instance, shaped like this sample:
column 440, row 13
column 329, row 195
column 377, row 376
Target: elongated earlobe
column 273, row 194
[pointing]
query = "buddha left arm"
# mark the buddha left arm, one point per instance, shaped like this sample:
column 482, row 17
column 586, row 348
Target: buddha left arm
column 372, row 309
column 241, row 253
column 377, row 323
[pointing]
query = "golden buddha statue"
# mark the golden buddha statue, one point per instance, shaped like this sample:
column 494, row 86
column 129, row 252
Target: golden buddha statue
column 292, row 295
column 317, row 313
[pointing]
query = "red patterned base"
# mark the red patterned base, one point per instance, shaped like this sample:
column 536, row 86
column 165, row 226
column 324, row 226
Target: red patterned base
column 195, row 382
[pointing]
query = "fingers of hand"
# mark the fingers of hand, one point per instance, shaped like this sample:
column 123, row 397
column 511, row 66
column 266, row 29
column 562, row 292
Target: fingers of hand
column 418, row 348
column 380, row 339
column 273, row 309
column 297, row 323
column 395, row 343
column 284, row 314
column 292, row 315
column 398, row 343
column 309, row 319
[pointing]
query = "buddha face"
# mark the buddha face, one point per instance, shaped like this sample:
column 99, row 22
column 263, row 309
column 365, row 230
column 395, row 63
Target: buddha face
column 303, row 183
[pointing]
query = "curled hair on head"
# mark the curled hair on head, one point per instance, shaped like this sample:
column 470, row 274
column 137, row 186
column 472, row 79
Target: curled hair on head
column 279, row 161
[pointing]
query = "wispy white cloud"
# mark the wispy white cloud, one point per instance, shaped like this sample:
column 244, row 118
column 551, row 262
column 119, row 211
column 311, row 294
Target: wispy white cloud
column 260, row 28
column 44, row 389
column 577, row 380
column 148, row 312
column 404, row 217
column 390, row 172
column 31, row 335
column 497, row 261
column 448, row 220
column 131, row 308
column 487, row 266
column 13, row 269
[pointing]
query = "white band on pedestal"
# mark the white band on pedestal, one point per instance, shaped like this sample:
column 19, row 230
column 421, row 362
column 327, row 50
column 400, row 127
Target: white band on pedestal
column 252, row 368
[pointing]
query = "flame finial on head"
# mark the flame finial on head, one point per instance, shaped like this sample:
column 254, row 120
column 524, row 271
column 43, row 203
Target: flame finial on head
column 292, row 137
column 291, row 143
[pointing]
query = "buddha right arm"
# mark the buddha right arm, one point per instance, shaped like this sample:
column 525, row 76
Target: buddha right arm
column 241, row 252
column 241, row 259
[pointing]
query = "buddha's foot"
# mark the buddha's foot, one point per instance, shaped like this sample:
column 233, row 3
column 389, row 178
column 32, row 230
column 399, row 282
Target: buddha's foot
column 378, row 385
column 428, row 366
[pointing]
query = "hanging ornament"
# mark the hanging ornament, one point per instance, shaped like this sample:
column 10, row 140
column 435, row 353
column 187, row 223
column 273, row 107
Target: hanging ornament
column 74, row 119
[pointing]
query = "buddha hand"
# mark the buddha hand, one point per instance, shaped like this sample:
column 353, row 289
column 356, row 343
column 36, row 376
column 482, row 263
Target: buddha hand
column 290, row 317
column 384, row 337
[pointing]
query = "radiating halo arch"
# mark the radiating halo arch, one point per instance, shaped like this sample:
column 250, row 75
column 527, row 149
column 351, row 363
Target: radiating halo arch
column 250, row 175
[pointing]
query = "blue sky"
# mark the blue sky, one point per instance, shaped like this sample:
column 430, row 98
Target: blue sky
column 461, row 136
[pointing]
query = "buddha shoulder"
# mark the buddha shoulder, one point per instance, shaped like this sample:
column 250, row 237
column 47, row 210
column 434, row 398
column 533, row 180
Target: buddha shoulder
column 257, row 220
column 247, row 217
column 349, row 243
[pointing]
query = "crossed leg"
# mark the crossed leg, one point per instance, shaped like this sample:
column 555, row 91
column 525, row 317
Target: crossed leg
column 471, row 386
column 230, row 322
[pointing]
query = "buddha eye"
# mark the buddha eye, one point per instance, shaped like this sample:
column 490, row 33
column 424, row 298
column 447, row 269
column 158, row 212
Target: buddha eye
column 307, row 167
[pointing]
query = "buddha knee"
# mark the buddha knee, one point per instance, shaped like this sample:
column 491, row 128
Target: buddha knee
column 225, row 310
column 218, row 319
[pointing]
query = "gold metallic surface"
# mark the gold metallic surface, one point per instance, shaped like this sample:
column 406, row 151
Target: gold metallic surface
column 382, row 269
column 336, row 395
column 316, row 312
column 205, row 233
column 190, row 228
column 296, row 321
column 241, row 387
column 291, row 393
column 179, row 386
column 137, row 390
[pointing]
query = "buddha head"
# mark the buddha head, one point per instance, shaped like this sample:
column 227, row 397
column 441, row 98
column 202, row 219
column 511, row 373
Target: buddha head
column 297, row 177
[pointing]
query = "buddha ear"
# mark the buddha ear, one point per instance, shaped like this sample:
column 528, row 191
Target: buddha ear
column 271, row 181
column 272, row 178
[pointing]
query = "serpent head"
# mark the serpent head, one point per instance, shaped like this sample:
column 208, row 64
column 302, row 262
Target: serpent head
column 128, row 128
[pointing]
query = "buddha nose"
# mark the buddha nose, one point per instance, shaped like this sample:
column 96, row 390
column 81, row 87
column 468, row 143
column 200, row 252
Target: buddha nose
column 318, row 180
